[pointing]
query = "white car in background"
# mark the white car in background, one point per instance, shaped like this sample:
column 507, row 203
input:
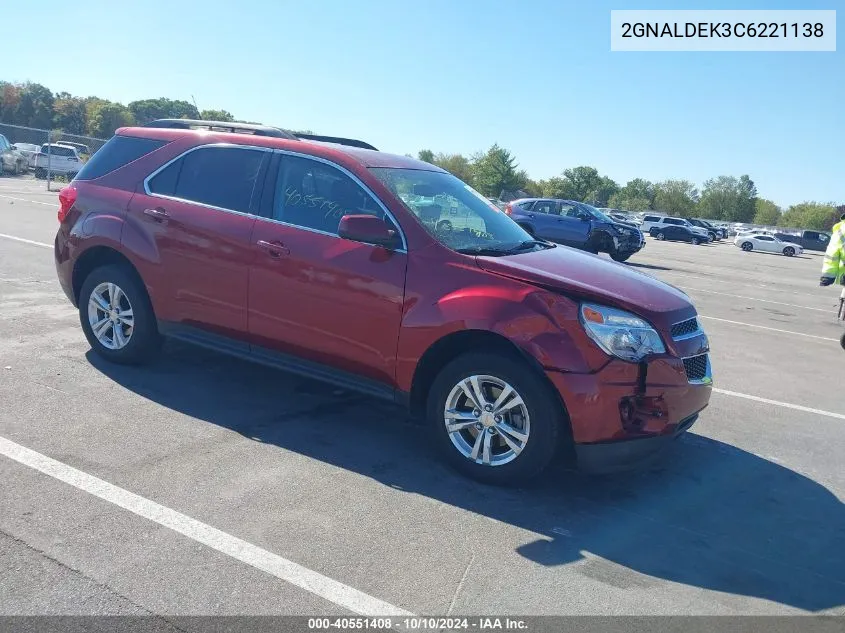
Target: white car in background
column 651, row 221
column 767, row 244
column 58, row 159
column 29, row 151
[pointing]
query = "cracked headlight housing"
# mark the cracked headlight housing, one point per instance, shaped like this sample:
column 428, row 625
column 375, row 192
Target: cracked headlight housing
column 621, row 334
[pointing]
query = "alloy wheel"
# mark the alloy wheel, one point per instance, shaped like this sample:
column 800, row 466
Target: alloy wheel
column 110, row 316
column 487, row 420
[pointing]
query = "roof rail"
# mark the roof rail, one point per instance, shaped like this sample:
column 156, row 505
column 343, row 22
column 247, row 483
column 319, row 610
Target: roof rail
column 338, row 140
column 221, row 126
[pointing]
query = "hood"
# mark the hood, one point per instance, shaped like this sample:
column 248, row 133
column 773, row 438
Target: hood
column 591, row 277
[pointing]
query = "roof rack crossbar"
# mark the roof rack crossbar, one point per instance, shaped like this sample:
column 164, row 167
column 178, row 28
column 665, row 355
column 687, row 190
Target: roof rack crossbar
column 253, row 128
column 225, row 126
column 338, row 140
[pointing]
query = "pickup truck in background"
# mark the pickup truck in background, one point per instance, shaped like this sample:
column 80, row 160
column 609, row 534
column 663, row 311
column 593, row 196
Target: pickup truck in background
column 810, row 240
column 576, row 224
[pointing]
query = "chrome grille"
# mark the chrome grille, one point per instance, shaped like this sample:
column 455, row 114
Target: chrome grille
column 684, row 328
column 696, row 367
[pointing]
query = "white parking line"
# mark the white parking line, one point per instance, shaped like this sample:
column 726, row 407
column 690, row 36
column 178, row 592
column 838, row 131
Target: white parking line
column 46, row 204
column 25, row 241
column 758, row 285
column 293, row 573
column 777, row 403
column 771, row 329
column 780, row 303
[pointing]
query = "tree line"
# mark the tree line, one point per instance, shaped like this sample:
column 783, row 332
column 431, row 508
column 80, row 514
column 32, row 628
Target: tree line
column 724, row 198
column 493, row 172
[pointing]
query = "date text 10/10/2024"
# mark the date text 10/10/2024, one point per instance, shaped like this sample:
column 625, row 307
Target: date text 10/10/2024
column 417, row 623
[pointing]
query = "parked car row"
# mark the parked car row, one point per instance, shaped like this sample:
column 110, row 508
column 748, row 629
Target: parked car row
column 62, row 158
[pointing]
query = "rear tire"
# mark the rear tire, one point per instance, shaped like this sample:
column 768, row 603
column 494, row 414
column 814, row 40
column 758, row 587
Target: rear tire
column 842, row 341
column 40, row 173
column 789, row 251
column 538, row 418
column 528, row 229
column 116, row 340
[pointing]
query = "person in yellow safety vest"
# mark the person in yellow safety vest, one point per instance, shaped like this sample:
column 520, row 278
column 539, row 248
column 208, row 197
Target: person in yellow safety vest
column 833, row 264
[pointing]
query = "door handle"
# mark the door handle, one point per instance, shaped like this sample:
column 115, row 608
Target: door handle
column 273, row 249
column 157, row 214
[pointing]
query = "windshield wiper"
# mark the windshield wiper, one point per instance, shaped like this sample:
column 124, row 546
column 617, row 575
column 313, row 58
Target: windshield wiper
column 529, row 244
column 482, row 250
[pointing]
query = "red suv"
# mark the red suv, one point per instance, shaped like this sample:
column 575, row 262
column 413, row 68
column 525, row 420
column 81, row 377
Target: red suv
column 386, row 275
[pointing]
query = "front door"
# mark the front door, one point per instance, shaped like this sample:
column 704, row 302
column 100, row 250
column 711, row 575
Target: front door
column 198, row 212
column 315, row 295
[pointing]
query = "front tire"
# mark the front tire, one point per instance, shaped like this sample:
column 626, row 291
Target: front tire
column 695, row 241
column 620, row 257
column 747, row 247
column 789, row 251
column 117, row 317
column 493, row 419
column 660, row 236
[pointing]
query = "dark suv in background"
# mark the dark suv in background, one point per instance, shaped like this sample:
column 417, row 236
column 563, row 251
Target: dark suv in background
column 576, row 224
column 334, row 262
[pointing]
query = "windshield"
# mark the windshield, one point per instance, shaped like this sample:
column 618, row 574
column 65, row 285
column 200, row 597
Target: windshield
column 455, row 214
column 598, row 215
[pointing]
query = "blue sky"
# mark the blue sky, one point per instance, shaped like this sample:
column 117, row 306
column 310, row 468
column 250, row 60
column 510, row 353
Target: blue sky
column 537, row 77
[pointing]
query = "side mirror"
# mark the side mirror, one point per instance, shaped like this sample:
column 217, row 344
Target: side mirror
column 367, row 229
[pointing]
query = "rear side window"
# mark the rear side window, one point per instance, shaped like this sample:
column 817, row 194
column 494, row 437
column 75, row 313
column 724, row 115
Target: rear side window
column 526, row 205
column 223, row 177
column 545, row 206
column 119, row 151
column 651, row 218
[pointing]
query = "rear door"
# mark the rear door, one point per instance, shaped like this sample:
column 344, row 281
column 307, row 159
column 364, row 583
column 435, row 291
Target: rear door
column 575, row 229
column 542, row 220
column 199, row 211
column 767, row 243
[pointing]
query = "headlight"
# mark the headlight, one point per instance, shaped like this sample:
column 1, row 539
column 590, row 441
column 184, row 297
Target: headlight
column 619, row 333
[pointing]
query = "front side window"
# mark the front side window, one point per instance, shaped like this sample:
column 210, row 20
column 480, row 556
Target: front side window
column 455, row 214
column 314, row 195
column 223, row 177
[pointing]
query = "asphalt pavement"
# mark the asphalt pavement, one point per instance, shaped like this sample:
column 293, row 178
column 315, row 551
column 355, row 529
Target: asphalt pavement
column 206, row 485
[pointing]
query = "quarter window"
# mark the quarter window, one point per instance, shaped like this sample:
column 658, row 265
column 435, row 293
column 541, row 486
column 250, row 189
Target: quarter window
column 224, row 177
column 314, row 195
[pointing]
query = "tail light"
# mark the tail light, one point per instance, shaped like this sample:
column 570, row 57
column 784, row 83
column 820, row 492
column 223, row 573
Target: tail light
column 67, row 197
column 508, row 208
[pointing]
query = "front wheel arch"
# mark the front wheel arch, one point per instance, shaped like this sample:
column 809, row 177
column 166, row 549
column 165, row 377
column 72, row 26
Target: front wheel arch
column 444, row 350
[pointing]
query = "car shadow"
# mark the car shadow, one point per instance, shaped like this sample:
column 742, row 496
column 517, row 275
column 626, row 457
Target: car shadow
column 646, row 266
column 708, row 514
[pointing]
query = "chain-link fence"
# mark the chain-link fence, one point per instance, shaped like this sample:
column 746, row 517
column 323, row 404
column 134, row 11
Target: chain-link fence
column 53, row 156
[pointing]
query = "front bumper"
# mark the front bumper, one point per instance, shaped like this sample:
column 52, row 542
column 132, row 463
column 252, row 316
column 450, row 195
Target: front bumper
column 625, row 413
column 614, row 457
